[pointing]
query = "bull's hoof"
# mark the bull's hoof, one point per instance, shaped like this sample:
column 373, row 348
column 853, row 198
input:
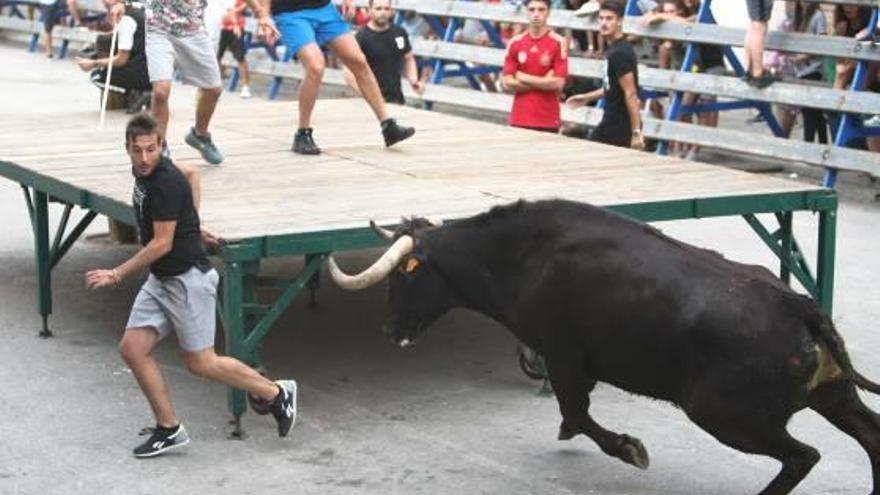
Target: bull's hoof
column 632, row 451
column 565, row 433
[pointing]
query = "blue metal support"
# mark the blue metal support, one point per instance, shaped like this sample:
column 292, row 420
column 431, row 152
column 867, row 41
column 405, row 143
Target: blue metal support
column 676, row 109
column 850, row 126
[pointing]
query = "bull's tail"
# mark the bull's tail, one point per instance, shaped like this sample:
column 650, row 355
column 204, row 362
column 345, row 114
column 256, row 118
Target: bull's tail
column 827, row 334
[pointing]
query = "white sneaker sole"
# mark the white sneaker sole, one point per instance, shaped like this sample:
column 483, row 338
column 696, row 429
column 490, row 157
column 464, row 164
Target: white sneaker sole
column 162, row 451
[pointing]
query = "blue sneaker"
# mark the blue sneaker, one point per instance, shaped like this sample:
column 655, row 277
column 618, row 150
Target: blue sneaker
column 205, row 146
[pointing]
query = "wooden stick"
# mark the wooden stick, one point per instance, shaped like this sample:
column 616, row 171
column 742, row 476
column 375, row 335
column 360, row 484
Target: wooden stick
column 109, row 72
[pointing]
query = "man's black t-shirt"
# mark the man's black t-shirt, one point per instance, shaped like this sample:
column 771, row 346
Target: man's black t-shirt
column 620, row 60
column 385, row 51
column 280, row 6
column 165, row 195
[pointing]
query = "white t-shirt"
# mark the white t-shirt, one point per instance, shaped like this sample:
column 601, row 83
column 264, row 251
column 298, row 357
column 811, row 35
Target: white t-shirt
column 125, row 33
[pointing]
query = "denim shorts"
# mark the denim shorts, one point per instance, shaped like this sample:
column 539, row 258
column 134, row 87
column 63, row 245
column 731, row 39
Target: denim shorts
column 301, row 27
column 759, row 10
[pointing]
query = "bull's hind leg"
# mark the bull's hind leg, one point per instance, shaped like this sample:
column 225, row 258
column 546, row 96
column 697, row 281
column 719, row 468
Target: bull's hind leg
column 573, row 386
column 756, row 430
column 840, row 404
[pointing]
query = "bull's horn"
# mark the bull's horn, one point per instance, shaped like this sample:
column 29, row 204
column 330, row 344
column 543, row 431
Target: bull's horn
column 378, row 271
column 384, row 233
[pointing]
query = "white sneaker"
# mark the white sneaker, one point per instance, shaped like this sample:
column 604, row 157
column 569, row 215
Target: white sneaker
column 872, row 122
column 588, row 8
column 246, row 92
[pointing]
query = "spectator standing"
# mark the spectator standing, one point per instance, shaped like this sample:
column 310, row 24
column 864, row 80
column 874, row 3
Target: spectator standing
column 535, row 70
column 621, row 123
column 389, row 53
column 308, row 25
column 232, row 39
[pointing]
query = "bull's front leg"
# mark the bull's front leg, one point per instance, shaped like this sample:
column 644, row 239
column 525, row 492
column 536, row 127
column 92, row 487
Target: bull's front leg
column 573, row 386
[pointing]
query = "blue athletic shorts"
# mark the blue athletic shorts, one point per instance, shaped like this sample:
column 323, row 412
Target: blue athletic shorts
column 302, row 27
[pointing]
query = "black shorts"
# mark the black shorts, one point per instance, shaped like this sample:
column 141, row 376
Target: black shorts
column 127, row 78
column 53, row 14
column 759, row 10
column 234, row 43
column 608, row 136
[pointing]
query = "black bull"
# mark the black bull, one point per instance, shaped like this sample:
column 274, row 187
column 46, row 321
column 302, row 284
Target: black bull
column 608, row 299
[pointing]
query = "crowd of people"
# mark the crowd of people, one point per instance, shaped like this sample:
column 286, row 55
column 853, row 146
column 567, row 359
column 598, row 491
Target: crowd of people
column 387, row 46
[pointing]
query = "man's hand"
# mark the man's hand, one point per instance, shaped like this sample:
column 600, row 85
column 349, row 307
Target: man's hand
column 637, row 142
column 210, row 240
column 649, row 19
column 267, row 31
column 86, row 64
column 417, row 86
column 114, row 15
column 96, row 279
column 348, row 9
column 575, row 101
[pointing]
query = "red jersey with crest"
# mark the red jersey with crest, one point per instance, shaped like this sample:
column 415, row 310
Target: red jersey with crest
column 536, row 57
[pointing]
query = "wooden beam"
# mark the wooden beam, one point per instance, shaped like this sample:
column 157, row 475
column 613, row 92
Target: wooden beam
column 730, row 87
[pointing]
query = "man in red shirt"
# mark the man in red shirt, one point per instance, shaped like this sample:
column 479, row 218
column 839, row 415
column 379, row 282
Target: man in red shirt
column 535, row 70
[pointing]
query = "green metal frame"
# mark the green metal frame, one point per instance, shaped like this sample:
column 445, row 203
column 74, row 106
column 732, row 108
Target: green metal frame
column 247, row 321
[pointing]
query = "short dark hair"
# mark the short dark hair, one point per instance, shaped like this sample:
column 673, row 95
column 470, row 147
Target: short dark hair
column 141, row 124
column 613, row 5
column 545, row 2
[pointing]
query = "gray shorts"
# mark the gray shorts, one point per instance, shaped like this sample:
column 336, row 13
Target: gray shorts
column 759, row 10
column 184, row 303
column 194, row 55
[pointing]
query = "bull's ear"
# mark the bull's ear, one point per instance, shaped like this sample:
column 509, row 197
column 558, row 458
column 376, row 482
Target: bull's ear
column 382, row 232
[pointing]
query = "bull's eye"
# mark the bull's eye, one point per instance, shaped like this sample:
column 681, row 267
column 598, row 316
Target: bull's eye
column 412, row 264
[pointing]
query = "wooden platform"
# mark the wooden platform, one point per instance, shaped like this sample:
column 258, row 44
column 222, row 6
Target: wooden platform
column 453, row 167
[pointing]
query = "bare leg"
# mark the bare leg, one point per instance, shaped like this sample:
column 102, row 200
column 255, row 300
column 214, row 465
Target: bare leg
column 136, row 349
column 312, row 60
column 161, row 93
column 349, row 52
column 230, row 371
column 243, row 73
column 207, row 103
column 754, row 47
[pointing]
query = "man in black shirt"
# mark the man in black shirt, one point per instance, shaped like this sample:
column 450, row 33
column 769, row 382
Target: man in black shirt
column 308, row 25
column 388, row 53
column 180, row 295
column 621, row 123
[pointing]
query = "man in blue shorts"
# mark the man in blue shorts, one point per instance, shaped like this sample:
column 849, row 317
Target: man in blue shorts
column 305, row 27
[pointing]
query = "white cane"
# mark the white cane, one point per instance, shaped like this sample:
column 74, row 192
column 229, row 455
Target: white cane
column 109, row 73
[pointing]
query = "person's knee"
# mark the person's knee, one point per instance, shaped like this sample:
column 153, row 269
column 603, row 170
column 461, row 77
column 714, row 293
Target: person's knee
column 133, row 350
column 315, row 66
column 358, row 63
column 161, row 92
column 201, row 364
column 212, row 92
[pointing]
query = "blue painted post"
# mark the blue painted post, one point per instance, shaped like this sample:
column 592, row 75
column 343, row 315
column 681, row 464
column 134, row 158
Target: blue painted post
column 846, row 129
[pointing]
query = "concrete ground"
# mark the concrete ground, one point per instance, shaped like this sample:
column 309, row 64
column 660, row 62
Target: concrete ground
column 452, row 415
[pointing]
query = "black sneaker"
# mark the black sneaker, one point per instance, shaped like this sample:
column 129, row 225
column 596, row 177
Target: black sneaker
column 258, row 405
column 394, row 133
column 284, row 406
column 766, row 79
column 304, row 144
column 161, row 440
